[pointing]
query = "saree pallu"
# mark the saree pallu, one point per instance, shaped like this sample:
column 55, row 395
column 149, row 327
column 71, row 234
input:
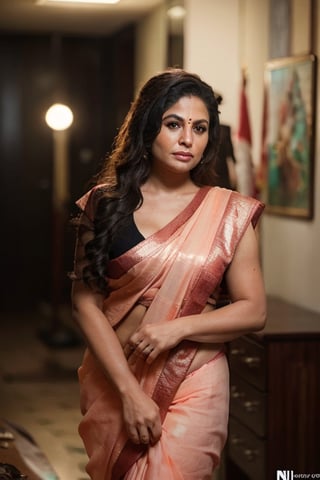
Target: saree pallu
column 175, row 271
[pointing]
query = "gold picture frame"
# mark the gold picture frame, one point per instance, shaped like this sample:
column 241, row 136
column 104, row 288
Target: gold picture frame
column 290, row 127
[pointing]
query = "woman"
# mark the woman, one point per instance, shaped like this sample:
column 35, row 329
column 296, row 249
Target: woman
column 155, row 242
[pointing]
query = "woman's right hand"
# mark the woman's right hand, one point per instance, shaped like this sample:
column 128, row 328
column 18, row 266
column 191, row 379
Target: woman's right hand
column 141, row 416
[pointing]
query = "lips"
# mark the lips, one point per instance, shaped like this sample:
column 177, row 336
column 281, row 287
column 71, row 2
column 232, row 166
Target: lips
column 184, row 156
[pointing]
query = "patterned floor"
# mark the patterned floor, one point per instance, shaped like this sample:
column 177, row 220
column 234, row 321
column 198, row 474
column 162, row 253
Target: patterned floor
column 39, row 392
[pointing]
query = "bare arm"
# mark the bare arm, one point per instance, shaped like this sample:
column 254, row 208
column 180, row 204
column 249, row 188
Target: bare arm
column 100, row 336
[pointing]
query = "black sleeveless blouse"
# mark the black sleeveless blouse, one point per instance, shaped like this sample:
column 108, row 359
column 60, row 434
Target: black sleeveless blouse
column 127, row 238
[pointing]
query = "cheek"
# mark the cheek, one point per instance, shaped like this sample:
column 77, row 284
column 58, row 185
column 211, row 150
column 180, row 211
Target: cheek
column 162, row 142
column 203, row 144
column 157, row 150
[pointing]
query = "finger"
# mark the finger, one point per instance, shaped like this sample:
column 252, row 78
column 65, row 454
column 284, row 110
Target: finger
column 134, row 356
column 152, row 356
column 134, row 435
column 144, row 435
column 136, row 344
column 147, row 350
column 141, row 346
column 155, row 433
column 128, row 349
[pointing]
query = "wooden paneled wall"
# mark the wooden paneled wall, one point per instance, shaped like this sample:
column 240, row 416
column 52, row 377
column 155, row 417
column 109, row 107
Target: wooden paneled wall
column 95, row 77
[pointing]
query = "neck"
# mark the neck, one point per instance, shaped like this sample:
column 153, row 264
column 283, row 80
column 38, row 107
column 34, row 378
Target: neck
column 169, row 183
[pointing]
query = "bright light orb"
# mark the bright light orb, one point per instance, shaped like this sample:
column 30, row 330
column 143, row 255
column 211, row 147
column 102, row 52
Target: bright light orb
column 59, row 117
column 176, row 12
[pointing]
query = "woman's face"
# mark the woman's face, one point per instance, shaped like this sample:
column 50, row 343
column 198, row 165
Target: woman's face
column 183, row 136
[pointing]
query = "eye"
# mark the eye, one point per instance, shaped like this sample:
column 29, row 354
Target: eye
column 172, row 125
column 200, row 128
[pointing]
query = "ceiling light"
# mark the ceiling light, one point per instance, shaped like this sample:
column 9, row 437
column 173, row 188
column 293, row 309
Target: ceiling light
column 101, row 2
column 176, row 12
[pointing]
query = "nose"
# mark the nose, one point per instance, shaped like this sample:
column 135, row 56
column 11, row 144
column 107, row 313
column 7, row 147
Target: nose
column 186, row 136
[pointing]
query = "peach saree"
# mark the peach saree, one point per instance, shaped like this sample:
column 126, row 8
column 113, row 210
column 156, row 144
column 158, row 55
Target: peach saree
column 174, row 272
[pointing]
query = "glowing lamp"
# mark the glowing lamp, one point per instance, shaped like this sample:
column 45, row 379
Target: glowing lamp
column 59, row 117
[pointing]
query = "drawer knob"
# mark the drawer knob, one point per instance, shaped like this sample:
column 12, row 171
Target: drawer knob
column 235, row 440
column 237, row 351
column 252, row 361
column 235, row 393
column 251, row 406
column 250, row 454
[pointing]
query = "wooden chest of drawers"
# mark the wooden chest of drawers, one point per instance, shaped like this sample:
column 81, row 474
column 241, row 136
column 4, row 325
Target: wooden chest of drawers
column 275, row 397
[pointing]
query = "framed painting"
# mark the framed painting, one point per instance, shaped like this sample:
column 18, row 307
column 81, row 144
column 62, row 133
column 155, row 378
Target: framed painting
column 290, row 131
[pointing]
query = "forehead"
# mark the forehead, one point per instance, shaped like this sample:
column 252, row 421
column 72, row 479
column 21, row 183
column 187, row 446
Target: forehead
column 189, row 107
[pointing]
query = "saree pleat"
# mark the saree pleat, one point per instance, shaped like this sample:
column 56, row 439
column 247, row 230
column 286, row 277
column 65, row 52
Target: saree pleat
column 177, row 268
column 191, row 440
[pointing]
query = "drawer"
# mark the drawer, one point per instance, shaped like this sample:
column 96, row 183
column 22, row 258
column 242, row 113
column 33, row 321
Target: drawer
column 247, row 451
column 248, row 405
column 248, row 359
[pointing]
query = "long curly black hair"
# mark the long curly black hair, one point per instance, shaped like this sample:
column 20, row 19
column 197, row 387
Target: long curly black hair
column 128, row 166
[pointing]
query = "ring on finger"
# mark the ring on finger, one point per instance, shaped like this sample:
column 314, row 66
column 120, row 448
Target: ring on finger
column 147, row 352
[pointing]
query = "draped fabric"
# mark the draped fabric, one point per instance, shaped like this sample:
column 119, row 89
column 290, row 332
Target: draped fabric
column 174, row 271
column 194, row 429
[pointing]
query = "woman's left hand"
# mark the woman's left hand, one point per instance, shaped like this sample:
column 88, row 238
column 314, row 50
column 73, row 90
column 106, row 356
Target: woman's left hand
column 150, row 340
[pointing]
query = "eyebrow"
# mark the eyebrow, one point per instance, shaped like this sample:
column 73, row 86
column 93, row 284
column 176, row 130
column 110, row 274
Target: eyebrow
column 177, row 117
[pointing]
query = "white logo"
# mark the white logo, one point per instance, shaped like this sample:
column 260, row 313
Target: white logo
column 284, row 474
